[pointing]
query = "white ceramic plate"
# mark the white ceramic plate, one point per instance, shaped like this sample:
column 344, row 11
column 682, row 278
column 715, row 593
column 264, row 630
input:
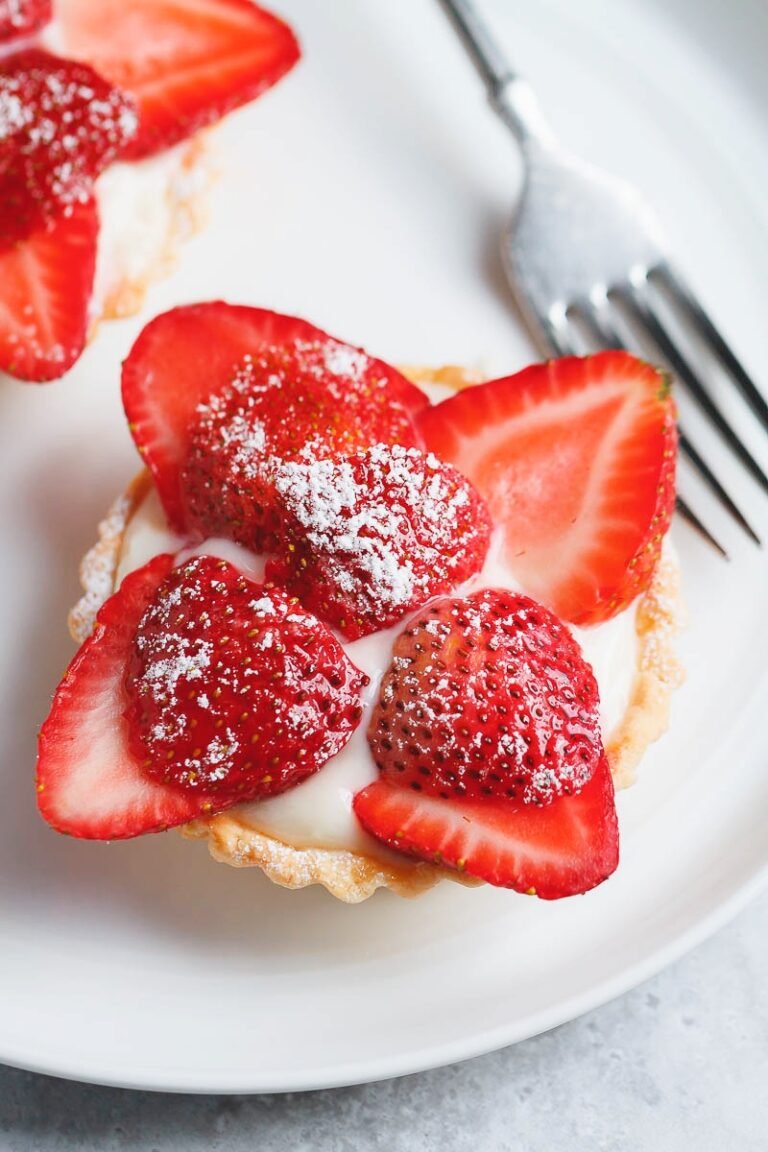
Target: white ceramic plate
column 366, row 193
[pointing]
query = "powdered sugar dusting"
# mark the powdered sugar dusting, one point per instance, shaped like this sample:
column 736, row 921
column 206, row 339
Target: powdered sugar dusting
column 12, row 12
column 186, row 661
column 303, row 400
column 385, row 529
column 60, row 124
column 21, row 18
column 243, row 436
column 323, row 370
column 234, row 689
column 342, row 360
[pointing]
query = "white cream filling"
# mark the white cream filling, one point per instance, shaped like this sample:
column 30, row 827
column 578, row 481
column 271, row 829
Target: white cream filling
column 318, row 813
column 138, row 213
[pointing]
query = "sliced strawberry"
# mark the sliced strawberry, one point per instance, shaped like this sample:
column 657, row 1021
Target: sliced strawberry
column 576, row 459
column 486, row 733
column 370, row 537
column 89, row 783
column 187, row 62
column 62, row 124
column 235, row 691
column 45, row 289
column 21, row 17
column 561, row 850
column 196, row 689
column 208, row 388
column 488, row 695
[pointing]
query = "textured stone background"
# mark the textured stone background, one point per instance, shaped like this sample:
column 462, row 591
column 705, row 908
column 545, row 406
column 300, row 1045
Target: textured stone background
column 680, row 1063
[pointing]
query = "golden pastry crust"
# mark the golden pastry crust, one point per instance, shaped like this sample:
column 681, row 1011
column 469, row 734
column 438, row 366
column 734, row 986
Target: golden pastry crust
column 351, row 876
column 98, row 568
column 660, row 616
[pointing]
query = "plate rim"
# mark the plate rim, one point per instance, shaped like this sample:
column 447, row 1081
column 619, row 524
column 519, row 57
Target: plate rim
column 432, row 1056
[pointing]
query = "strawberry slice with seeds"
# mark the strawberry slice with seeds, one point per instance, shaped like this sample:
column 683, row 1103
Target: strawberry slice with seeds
column 89, row 782
column 486, row 733
column 213, row 391
column 488, row 695
column 562, row 850
column 62, row 124
column 186, row 62
column 45, row 291
column 576, row 459
column 197, row 689
column 368, row 538
column 22, row 17
column 234, row 690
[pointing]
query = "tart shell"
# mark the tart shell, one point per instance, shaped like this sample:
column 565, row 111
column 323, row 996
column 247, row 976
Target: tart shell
column 351, row 876
column 187, row 202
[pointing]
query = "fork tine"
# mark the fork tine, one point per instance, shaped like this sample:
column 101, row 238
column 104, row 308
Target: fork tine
column 556, row 336
column 605, row 334
column 603, row 331
column 598, row 324
column 680, row 295
column 690, row 516
column 550, row 330
column 708, row 475
column 645, row 318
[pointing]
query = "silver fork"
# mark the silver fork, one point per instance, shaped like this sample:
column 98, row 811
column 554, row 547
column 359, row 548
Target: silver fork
column 587, row 263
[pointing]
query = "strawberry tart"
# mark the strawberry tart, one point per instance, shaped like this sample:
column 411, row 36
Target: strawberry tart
column 365, row 630
column 103, row 167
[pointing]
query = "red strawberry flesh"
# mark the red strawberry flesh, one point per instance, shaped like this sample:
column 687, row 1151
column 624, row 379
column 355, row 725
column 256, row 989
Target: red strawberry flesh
column 45, row 290
column 61, row 125
column 187, row 358
column 561, row 850
column 486, row 734
column 235, row 691
column 576, row 459
column 22, row 17
column 300, row 401
column 89, row 782
column 370, row 537
column 186, row 62
column 488, row 695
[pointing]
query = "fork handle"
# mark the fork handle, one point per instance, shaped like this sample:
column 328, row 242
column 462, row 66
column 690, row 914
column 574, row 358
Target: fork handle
column 509, row 94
